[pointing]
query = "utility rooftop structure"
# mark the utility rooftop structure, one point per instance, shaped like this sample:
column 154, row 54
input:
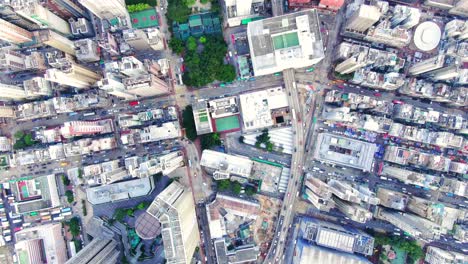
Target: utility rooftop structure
column 337, row 237
column 344, row 151
column 280, row 42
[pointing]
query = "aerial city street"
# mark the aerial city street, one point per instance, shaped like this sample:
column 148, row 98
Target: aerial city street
column 233, row 131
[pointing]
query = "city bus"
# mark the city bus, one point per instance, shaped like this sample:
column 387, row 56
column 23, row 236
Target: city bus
column 89, row 114
column 294, row 113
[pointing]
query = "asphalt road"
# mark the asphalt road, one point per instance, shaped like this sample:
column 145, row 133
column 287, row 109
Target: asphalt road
column 287, row 213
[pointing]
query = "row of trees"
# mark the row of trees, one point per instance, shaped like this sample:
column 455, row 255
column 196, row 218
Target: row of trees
column 120, row 213
column 263, row 140
column 188, row 122
column 136, row 2
column 138, row 7
column 235, row 187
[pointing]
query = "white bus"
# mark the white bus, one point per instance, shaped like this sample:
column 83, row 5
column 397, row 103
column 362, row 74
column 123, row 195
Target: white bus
column 89, row 114
column 294, row 113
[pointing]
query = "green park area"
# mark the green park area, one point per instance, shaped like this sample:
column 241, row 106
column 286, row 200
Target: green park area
column 397, row 250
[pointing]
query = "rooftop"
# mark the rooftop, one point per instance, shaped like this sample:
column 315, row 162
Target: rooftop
column 243, row 254
column 120, row 191
column 282, row 42
column 36, row 194
column 345, row 151
column 222, row 165
column 257, row 106
column 427, row 36
column 334, row 236
column 224, row 209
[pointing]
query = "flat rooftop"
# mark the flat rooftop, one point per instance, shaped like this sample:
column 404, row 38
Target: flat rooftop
column 257, row 106
column 120, row 191
column 224, row 107
column 344, row 151
column 288, row 41
column 202, row 118
column 224, row 163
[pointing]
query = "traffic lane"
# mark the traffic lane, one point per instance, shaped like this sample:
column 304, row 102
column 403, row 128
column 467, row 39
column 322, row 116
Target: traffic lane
column 233, row 146
column 296, row 163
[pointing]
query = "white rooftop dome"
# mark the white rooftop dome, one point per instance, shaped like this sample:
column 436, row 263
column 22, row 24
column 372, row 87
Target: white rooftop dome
column 427, row 36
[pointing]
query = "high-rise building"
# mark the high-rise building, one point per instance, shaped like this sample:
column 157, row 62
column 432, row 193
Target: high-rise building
column 56, row 40
column 8, row 13
column 136, row 38
column 392, row 199
column 35, row 12
column 456, row 28
column 354, row 211
column 430, row 64
column 453, row 68
column 175, row 210
column 87, row 50
column 132, row 67
column 11, row 60
column 41, row 244
column 460, row 8
column 319, row 194
column 146, row 85
column 414, row 225
column 106, row 9
column 67, row 72
column 237, row 11
column 14, row 34
column 155, row 39
column 114, row 86
column 98, row 251
column 12, row 92
column 65, row 9
column 81, row 28
column 363, row 18
column 36, row 87
column 75, row 76
column 350, row 65
column 7, row 112
column 435, row 255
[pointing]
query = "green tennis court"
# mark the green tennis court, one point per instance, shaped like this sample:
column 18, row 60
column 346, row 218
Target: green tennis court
column 227, row 123
column 286, row 40
column 144, row 19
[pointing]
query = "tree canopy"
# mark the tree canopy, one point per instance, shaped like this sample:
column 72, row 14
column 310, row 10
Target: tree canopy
column 411, row 247
column 191, row 43
column 208, row 65
column 176, row 45
column 74, row 225
column 178, row 11
column 208, row 141
column 188, row 122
